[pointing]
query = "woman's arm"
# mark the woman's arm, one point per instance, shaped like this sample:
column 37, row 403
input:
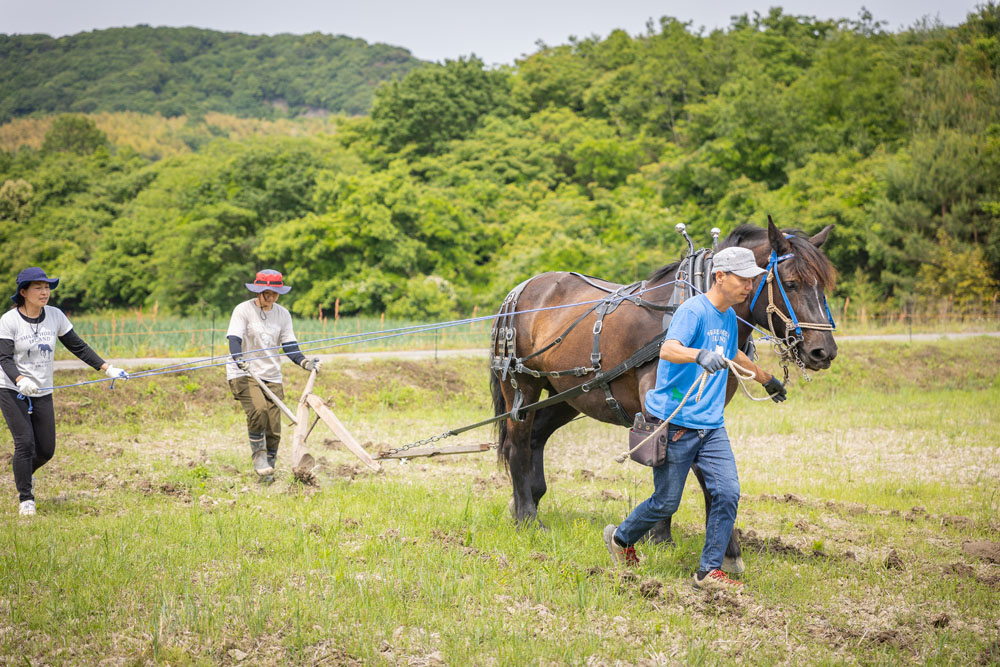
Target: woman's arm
column 291, row 350
column 235, row 347
column 82, row 351
column 7, row 360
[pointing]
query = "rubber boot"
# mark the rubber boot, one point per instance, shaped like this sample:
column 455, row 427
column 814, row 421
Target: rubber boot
column 272, row 459
column 259, row 453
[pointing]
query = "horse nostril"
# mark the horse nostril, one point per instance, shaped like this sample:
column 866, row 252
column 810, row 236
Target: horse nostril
column 818, row 353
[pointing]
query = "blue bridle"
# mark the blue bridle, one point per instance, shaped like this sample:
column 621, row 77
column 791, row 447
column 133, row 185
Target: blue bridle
column 772, row 265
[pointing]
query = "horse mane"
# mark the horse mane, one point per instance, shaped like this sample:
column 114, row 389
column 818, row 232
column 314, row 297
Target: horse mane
column 807, row 261
column 663, row 272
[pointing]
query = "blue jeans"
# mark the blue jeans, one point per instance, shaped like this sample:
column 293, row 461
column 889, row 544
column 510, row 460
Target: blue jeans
column 710, row 449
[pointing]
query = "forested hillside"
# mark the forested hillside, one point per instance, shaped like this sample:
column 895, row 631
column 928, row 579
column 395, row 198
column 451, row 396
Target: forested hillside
column 463, row 181
column 175, row 71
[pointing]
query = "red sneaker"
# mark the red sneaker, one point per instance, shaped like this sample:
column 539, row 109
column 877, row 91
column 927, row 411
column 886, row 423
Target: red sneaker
column 716, row 580
column 619, row 554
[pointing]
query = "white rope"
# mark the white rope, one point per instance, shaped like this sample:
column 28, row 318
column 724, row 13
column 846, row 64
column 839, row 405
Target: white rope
column 742, row 374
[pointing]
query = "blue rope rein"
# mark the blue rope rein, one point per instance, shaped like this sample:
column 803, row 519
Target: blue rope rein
column 342, row 340
column 357, row 338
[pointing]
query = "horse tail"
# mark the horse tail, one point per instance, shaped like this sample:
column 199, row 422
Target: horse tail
column 499, row 407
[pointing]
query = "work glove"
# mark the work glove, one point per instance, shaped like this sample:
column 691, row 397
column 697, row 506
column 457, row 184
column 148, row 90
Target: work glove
column 711, row 361
column 242, row 365
column 776, row 389
column 312, row 364
column 115, row 373
column 27, row 387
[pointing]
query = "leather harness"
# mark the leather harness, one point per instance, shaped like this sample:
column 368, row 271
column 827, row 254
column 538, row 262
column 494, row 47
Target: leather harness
column 693, row 276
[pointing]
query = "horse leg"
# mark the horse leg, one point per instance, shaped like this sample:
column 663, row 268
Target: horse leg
column 517, row 456
column 660, row 532
column 732, row 562
column 547, row 421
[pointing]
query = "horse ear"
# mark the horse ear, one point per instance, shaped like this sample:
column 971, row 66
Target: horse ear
column 778, row 241
column 820, row 238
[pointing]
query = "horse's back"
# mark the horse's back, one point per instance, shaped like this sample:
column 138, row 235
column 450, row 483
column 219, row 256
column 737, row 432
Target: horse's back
column 550, row 306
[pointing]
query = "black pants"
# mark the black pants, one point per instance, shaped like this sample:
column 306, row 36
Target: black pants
column 34, row 436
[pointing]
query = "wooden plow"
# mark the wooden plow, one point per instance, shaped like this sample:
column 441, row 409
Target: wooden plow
column 303, row 462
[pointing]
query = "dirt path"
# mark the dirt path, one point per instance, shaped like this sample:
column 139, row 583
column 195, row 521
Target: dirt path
column 414, row 355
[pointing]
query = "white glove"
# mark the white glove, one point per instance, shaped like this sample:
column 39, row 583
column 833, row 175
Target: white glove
column 27, row 387
column 116, row 373
column 312, row 364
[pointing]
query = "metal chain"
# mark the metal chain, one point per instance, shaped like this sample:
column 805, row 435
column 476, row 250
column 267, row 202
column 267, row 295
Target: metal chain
column 417, row 443
column 786, row 351
column 802, row 367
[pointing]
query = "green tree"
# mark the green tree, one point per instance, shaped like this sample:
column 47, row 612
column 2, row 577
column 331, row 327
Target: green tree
column 434, row 104
column 178, row 71
column 15, row 200
column 74, row 133
column 958, row 274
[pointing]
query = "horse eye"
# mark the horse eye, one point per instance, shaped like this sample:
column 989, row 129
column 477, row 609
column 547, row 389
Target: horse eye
column 791, row 284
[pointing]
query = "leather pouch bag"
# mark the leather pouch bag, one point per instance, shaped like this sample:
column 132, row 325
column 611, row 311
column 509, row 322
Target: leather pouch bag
column 654, row 452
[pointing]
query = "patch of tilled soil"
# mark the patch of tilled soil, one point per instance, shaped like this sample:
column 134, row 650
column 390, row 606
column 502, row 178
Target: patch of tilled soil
column 149, row 487
column 894, row 561
column 776, row 545
column 991, row 654
column 631, row 582
column 857, row 509
column 494, row 481
column 454, row 542
column 984, row 550
column 990, row 577
column 356, row 383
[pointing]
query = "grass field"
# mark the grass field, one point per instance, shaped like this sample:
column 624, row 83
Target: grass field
column 869, row 512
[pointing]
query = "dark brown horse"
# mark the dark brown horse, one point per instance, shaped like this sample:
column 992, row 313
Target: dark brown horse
column 805, row 275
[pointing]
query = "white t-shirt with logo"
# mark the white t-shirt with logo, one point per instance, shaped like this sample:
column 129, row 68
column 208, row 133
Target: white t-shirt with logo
column 262, row 330
column 34, row 345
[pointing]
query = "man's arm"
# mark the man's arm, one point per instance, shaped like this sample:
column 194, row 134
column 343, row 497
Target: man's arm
column 759, row 374
column 675, row 353
column 775, row 389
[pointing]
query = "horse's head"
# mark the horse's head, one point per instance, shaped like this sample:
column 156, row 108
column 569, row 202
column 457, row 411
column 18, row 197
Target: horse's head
column 789, row 300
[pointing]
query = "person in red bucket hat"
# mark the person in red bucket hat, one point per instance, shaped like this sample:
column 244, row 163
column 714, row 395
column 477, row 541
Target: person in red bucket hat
column 28, row 335
column 259, row 330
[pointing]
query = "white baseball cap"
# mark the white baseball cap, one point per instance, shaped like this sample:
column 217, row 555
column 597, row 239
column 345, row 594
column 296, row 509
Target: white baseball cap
column 736, row 260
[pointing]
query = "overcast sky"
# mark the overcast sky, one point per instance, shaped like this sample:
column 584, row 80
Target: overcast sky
column 498, row 32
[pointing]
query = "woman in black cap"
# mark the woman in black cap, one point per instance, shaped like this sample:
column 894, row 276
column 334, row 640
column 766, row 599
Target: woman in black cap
column 28, row 334
column 260, row 326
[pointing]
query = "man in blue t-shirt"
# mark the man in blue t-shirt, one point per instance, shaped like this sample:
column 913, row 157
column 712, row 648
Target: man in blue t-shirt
column 700, row 339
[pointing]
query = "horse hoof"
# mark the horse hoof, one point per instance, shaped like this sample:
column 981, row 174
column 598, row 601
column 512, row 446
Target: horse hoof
column 733, row 565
